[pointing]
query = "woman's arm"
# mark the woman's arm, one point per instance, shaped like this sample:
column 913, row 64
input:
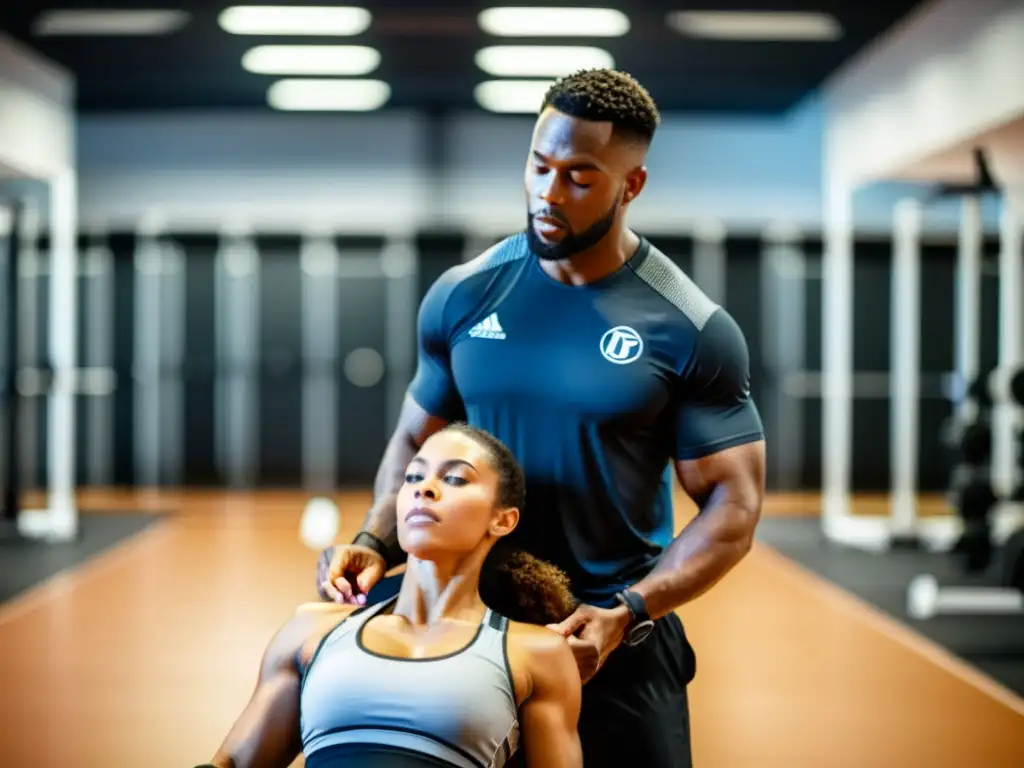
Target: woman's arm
column 266, row 734
column 550, row 716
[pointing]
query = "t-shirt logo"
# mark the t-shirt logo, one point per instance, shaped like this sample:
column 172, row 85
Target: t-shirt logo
column 621, row 345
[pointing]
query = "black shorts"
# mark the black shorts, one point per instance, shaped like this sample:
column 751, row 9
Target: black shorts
column 635, row 709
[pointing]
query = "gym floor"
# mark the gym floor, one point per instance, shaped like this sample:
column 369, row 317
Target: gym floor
column 139, row 645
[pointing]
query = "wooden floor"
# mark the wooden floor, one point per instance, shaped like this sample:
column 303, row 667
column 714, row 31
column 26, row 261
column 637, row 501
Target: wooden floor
column 145, row 655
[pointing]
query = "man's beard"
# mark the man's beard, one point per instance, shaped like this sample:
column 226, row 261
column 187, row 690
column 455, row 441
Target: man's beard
column 573, row 242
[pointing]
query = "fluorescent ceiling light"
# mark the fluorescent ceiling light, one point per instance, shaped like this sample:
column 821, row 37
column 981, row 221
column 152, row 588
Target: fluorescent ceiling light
column 311, row 60
column 297, row 20
column 95, row 22
column 511, row 95
column 554, row 22
column 328, row 95
column 744, row 25
column 541, row 60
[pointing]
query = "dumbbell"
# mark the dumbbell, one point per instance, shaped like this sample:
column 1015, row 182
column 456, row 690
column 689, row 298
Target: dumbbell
column 974, row 499
column 926, row 599
column 980, row 390
column 997, row 386
column 970, row 443
column 1011, row 561
column 976, row 443
column 1016, row 387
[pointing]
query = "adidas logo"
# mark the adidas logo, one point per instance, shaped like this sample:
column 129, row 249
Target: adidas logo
column 488, row 328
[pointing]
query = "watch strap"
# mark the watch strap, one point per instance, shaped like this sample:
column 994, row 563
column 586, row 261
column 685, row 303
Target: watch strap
column 368, row 540
column 636, row 606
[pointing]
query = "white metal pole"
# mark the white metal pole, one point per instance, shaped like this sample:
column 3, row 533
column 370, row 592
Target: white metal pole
column 710, row 259
column 63, row 342
column 172, row 290
column 967, row 309
column 29, row 342
column 97, row 366
column 784, row 278
column 237, row 341
column 400, row 264
column 148, row 402
column 905, row 332
column 319, row 263
column 837, row 358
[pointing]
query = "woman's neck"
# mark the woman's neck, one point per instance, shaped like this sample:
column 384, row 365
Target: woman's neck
column 432, row 592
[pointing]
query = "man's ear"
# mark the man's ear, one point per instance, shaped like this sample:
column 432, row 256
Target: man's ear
column 505, row 521
column 635, row 183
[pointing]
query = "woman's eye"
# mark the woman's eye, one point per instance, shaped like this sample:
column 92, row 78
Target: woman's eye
column 455, row 480
column 411, row 478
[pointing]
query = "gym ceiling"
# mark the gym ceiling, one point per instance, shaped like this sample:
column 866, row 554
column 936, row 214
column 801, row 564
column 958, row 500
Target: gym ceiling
column 431, row 55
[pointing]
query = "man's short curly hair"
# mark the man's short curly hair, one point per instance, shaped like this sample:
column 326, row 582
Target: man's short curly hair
column 606, row 95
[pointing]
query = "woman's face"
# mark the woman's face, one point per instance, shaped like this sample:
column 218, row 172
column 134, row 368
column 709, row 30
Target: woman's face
column 447, row 505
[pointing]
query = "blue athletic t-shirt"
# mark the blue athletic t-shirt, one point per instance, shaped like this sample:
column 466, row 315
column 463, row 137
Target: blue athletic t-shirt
column 595, row 389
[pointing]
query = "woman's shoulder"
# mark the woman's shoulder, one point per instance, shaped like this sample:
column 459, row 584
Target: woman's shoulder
column 323, row 608
column 540, row 643
column 313, row 618
column 548, row 661
column 308, row 624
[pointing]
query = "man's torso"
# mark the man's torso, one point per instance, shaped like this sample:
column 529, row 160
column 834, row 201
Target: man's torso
column 579, row 381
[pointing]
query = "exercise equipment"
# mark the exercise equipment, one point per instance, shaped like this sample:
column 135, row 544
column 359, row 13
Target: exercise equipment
column 1016, row 389
column 926, row 600
column 1011, row 562
column 987, row 479
column 974, row 499
column 10, row 471
column 968, row 433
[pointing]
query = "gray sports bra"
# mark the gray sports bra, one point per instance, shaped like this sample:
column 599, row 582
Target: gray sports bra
column 460, row 708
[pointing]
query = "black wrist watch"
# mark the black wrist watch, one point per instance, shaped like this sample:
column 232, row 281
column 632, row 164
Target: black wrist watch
column 393, row 555
column 368, row 540
column 640, row 623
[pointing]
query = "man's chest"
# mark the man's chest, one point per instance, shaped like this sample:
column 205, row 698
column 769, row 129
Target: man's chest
column 595, row 361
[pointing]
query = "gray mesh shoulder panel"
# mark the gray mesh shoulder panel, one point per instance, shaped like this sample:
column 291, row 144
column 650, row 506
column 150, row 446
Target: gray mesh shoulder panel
column 667, row 279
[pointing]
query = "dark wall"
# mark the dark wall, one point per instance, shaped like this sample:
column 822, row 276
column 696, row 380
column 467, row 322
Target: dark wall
column 359, row 415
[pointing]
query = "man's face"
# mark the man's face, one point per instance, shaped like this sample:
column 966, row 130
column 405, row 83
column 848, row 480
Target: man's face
column 579, row 177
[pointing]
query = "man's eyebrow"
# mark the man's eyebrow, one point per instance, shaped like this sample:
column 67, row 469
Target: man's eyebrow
column 581, row 165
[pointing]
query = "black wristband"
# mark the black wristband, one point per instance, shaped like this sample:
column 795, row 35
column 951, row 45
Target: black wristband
column 393, row 555
column 368, row 540
column 636, row 605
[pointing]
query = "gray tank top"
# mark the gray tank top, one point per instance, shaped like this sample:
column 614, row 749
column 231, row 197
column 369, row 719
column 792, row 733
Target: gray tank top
column 460, row 707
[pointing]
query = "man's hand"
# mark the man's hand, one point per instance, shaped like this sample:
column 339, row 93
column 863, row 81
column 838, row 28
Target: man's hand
column 347, row 574
column 593, row 633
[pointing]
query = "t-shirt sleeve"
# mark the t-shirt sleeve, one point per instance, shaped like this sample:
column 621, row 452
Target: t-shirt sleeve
column 714, row 409
column 433, row 387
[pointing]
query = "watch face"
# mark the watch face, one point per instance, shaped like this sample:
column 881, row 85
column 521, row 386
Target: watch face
column 640, row 632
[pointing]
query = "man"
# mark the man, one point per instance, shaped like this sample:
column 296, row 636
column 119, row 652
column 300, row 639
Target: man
column 603, row 368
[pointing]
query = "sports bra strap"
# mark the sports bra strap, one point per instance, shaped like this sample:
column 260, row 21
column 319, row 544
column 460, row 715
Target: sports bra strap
column 495, row 621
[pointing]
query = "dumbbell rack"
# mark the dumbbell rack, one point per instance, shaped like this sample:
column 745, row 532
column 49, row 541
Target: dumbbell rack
column 976, row 500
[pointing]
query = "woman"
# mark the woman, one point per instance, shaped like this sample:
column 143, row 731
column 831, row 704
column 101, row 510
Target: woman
column 437, row 675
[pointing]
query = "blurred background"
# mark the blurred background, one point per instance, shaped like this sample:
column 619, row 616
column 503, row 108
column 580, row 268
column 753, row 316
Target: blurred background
column 242, row 181
column 225, row 218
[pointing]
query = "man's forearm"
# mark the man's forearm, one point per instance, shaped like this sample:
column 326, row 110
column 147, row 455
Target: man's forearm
column 381, row 518
column 704, row 552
